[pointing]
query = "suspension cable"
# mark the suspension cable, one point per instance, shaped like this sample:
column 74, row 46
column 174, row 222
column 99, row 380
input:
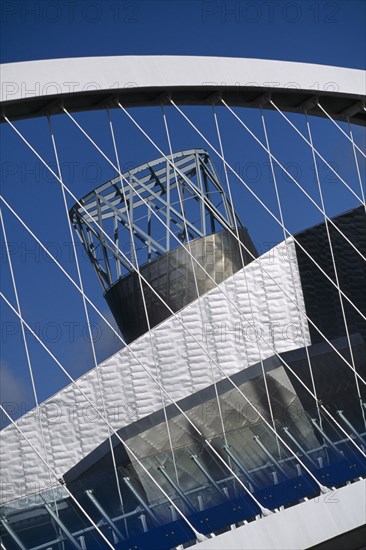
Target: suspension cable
column 294, row 179
column 265, row 207
column 285, row 363
column 278, row 199
column 335, row 267
column 166, row 393
column 232, row 233
column 193, row 266
column 244, row 271
column 264, row 511
column 153, row 351
column 152, row 377
column 350, row 138
column 317, row 153
column 356, row 162
column 256, row 260
column 271, row 347
column 105, row 420
column 103, row 154
column 27, row 353
column 94, row 355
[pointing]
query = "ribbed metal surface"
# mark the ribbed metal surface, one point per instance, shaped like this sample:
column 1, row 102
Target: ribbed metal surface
column 177, row 279
column 72, row 429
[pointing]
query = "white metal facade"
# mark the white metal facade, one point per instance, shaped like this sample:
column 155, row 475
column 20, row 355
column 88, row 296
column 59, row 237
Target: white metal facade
column 72, row 428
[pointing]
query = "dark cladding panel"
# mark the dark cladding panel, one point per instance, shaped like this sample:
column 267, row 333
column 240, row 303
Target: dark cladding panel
column 173, row 279
column 322, row 300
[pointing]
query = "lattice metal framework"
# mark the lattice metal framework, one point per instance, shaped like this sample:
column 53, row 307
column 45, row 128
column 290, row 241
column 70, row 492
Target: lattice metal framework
column 192, row 203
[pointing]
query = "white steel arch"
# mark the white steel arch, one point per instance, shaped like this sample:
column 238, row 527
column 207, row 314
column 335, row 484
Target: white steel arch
column 33, row 88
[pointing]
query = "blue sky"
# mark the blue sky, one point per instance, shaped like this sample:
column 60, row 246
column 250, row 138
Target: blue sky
column 316, row 32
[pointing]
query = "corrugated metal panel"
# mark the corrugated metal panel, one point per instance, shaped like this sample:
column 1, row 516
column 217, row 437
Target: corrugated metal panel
column 71, row 427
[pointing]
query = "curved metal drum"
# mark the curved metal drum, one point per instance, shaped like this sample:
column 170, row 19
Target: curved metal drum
column 177, row 279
